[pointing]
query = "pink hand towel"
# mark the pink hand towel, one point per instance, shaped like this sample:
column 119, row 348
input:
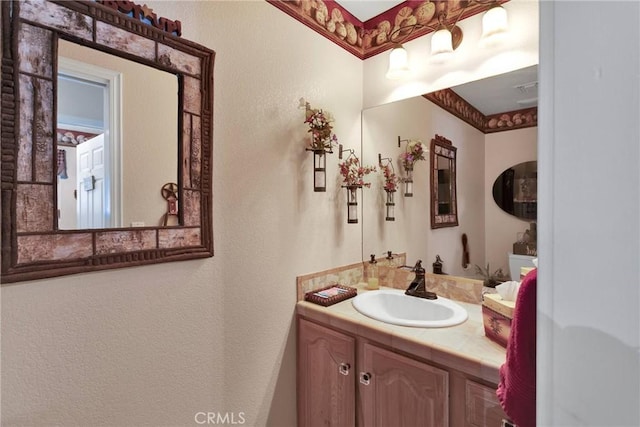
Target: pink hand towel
column 517, row 388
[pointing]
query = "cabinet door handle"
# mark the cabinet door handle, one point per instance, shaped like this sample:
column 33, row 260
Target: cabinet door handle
column 344, row 368
column 365, row 378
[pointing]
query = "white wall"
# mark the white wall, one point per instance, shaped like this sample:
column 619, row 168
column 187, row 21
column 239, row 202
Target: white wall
column 589, row 214
column 503, row 150
column 153, row 345
column 419, row 118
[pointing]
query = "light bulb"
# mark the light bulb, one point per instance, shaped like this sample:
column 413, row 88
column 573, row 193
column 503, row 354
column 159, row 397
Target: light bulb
column 398, row 63
column 441, row 44
column 494, row 26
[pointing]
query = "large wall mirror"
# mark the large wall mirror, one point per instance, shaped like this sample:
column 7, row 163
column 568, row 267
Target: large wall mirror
column 480, row 158
column 56, row 56
column 444, row 204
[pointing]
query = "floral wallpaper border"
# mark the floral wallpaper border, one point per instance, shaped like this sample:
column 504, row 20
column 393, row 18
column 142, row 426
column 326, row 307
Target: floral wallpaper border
column 380, row 33
column 450, row 101
column 71, row 138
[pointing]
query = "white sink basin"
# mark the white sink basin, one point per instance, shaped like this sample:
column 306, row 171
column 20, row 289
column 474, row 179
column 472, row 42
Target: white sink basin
column 393, row 306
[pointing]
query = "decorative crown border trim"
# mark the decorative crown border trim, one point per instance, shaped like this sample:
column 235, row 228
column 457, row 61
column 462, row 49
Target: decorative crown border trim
column 382, row 32
column 450, row 101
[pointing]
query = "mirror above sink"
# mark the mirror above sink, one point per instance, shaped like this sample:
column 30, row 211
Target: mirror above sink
column 480, row 158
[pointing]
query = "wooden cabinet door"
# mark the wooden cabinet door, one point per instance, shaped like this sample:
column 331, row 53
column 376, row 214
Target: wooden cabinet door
column 397, row 391
column 482, row 406
column 326, row 376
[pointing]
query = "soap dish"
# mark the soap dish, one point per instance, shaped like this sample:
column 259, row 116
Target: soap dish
column 330, row 295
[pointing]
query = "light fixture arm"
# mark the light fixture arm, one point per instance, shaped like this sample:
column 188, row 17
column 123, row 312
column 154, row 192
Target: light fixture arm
column 448, row 35
column 442, row 21
column 342, row 150
column 410, row 28
column 400, row 141
column 389, row 162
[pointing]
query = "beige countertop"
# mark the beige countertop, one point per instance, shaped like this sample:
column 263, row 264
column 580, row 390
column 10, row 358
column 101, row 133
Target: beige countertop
column 462, row 347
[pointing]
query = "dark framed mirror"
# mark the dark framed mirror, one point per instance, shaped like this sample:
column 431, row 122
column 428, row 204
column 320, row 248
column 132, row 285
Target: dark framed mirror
column 515, row 190
column 33, row 245
column 444, row 204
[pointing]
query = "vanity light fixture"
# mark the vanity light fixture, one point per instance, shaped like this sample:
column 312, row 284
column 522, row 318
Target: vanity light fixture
column 447, row 36
column 494, row 25
column 441, row 43
column 390, row 184
column 399, row 58
column 442, row 46
column 398, row 63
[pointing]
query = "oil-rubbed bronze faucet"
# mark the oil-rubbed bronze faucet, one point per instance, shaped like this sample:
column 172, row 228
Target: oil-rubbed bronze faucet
column 417, row 288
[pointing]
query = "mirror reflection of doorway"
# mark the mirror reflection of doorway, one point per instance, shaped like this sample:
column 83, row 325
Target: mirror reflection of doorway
column 87, row 170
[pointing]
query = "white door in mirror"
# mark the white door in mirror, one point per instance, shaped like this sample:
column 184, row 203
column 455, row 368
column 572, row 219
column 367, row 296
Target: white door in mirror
column 92, row 197
column 394, row 307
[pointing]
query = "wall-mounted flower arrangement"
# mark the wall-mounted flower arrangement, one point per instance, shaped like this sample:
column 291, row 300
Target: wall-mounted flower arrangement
column 322, row 142
column 353, row 174
column 413, row 153
column 353, row 178
column 321, row 129
column 390, row 186
column 390, row 178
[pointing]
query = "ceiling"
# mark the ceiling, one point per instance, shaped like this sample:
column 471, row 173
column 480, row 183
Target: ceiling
column 506, row 92
column 367, row 9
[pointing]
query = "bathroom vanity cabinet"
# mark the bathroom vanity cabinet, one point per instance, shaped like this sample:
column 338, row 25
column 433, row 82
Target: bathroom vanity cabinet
column 326, row 368
column 397, row 390
column 348, row 379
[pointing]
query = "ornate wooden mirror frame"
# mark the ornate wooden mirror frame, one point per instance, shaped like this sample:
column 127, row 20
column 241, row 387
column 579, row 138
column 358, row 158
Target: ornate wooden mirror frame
column 32, row 246
column 442, row 147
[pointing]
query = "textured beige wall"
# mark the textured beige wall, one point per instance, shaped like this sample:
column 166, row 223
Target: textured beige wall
column 154, row 345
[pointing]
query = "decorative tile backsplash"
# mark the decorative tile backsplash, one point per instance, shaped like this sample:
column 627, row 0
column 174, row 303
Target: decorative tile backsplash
column 458, row 288
column 396, row 276
column 347, row 275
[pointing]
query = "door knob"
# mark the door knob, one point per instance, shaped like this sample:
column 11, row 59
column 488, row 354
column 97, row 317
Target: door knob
column 344, row 368
column 365, row 378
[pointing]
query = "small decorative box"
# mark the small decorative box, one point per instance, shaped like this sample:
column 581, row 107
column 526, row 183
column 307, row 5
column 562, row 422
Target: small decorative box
column 330, row 295
column 497, row 315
